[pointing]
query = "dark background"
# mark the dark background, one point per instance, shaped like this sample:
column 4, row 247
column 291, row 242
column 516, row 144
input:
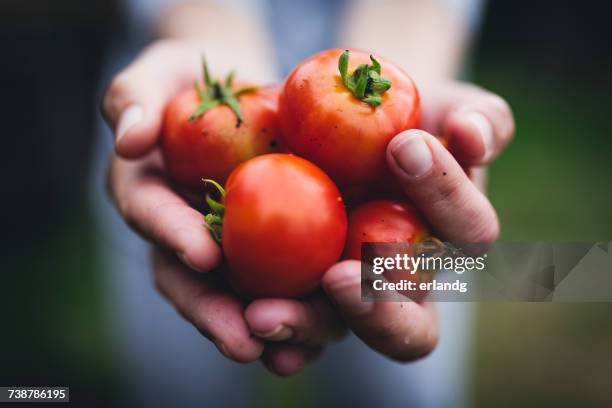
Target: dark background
column 550, row 59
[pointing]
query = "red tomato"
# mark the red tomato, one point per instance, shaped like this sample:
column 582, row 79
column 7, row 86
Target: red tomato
column 342, row 129
column 214, row 143
column 383, row 221
column 387, row 221
column 284, row 225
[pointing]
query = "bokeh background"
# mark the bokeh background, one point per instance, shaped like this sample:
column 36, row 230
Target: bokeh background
column 551, row 60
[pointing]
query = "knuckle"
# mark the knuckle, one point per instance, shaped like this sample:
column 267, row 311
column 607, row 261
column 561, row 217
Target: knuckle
column 158, row 282
column 200, row 311
column 126, row 210
column 118, row 86
column 206, row 306
column 115, row 95
column 448, row 191
column 121, row 199
column 158, row 226
column 159, row 264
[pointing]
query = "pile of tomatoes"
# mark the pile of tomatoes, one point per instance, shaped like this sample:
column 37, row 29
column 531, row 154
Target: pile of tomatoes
column 292, row 161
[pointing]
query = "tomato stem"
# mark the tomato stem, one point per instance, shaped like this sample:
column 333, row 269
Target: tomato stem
column 217, row 93
column 365, row 83
column 214, row 220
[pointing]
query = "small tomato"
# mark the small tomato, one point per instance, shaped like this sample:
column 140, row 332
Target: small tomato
column 208, row 132
column 383, row 221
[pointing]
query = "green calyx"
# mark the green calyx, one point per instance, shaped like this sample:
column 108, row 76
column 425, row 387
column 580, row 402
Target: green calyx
column 365, row 83
column 218, row 93
column 214, row 219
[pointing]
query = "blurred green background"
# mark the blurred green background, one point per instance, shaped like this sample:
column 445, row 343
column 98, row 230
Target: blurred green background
column 548, row 59
column 552, row 64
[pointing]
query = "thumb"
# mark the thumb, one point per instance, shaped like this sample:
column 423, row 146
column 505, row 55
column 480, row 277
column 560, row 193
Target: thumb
column 434, row 181
column 134, row 101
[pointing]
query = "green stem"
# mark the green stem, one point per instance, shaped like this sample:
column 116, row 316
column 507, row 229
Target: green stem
column 365, row 83
column 214, row 220
column 218, row 93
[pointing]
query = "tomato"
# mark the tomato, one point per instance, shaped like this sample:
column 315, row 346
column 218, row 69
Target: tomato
column 387, row 221
column 343, row 122
column 240, row 123
column 383, row 221
column 284, row 224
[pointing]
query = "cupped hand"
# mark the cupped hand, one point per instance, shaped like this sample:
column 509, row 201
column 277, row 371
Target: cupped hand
column 183, row 247
column 133, row 107
column 478, row 125
column 286, row 334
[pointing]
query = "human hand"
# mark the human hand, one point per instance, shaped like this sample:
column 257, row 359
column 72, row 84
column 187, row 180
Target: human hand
column 478, row 125
column 133, row 107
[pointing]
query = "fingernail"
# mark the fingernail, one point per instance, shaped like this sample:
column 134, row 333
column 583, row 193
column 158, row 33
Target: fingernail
column 343, row 293
column 485, row 129
column 412, row 154
column 130, row 116
column 184, row 259
column 280, row 333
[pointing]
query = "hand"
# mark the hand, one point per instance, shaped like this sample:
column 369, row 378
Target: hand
column 478, row 126
column 133, row 107
column 150, row 206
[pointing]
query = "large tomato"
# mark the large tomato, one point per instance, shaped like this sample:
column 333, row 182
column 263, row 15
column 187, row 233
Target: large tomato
column 208, row 131
column 284, row 225
column 383, row 221
column 341, row 109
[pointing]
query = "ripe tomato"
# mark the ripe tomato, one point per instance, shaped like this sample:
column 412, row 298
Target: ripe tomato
column 387, row 221
column 383, row 221
column 341, row 121
column 207, row 133
column 284, row 225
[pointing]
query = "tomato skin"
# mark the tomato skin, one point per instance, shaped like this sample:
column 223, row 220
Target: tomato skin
column 211, row 145
column 383, row 221
column 387, row 221
column 284, row 226
column 322, row 121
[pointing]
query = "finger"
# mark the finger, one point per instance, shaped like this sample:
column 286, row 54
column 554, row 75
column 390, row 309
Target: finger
column 148, row 204
column 310, row 322
column 285, row 359
column 401, row 330
column 216, row 314
column 477, row 124
column 438, row 186
column 134, row 101
column 478, row 131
